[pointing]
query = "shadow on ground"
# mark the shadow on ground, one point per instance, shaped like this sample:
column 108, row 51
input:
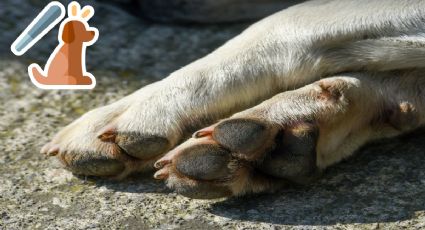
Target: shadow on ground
column 370, row 187
column 130, row 184
column 384, row 182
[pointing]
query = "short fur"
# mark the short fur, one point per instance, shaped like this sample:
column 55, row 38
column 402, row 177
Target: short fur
column 370, row 52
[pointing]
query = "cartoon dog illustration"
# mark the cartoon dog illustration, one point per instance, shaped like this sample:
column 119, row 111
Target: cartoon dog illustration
column 65, row 68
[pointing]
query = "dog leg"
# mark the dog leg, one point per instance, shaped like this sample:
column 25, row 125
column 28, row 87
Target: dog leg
column 285, row 51
column 295, row 135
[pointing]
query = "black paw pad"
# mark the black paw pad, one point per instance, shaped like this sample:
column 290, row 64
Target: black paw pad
column 294, row 156
column 142, row 146
column 242, row 135
column 95, row 166
column 204, row 162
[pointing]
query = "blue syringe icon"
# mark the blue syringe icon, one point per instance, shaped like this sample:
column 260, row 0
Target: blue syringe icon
column 49, row 17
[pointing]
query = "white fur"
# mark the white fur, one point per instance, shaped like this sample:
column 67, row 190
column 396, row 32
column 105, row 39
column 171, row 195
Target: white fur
column 285, row 51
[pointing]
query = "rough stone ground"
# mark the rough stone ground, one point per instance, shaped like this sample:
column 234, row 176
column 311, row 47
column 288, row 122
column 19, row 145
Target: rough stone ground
column 382, row 187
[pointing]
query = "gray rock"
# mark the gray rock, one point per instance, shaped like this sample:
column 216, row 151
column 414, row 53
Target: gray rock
column 382, row 187
column 127, row 45
column 211, row 11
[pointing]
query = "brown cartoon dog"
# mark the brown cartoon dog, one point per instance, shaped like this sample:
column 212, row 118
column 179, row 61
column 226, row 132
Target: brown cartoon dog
column 65, row 68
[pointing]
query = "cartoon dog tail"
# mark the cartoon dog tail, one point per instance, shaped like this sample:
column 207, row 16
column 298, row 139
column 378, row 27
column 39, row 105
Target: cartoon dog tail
column 36, row 74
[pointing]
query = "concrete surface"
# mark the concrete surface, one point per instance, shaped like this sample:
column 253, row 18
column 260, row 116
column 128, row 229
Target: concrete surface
column 211, row 11
column 383, row 186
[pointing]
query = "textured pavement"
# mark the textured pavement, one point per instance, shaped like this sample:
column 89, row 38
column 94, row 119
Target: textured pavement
column 383, row 186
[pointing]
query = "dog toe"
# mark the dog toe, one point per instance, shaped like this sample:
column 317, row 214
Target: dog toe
column 141, row 146
column 92, row 164
column 204, row 162
column 202, row 168
column 246, row 137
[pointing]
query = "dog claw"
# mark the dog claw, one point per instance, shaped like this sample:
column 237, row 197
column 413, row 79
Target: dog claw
column 53, row 151
column 204, row 132
column 45, row 148
column 168, row 158
column 108, row 137
column 108, row 134
column 161, row 174
column 161, row 163
column 50, row 150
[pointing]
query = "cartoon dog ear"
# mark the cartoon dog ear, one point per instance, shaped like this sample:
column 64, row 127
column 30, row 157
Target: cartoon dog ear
column 74, row 9
column 87, row 12
column 68, row 33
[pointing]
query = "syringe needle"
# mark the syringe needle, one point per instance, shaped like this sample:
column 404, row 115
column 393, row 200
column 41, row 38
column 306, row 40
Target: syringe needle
column 51, row 15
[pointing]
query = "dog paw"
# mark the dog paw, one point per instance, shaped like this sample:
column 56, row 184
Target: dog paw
column 290, row 137
column 239, row 156
column 110, row 141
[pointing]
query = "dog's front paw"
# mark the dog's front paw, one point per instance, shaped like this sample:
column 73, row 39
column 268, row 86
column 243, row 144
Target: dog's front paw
column 115, row 140
column 238, row 156
column 290, row 137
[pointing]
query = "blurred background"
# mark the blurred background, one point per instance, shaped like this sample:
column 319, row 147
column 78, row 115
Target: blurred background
column 143, row 38
column 143, row 41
